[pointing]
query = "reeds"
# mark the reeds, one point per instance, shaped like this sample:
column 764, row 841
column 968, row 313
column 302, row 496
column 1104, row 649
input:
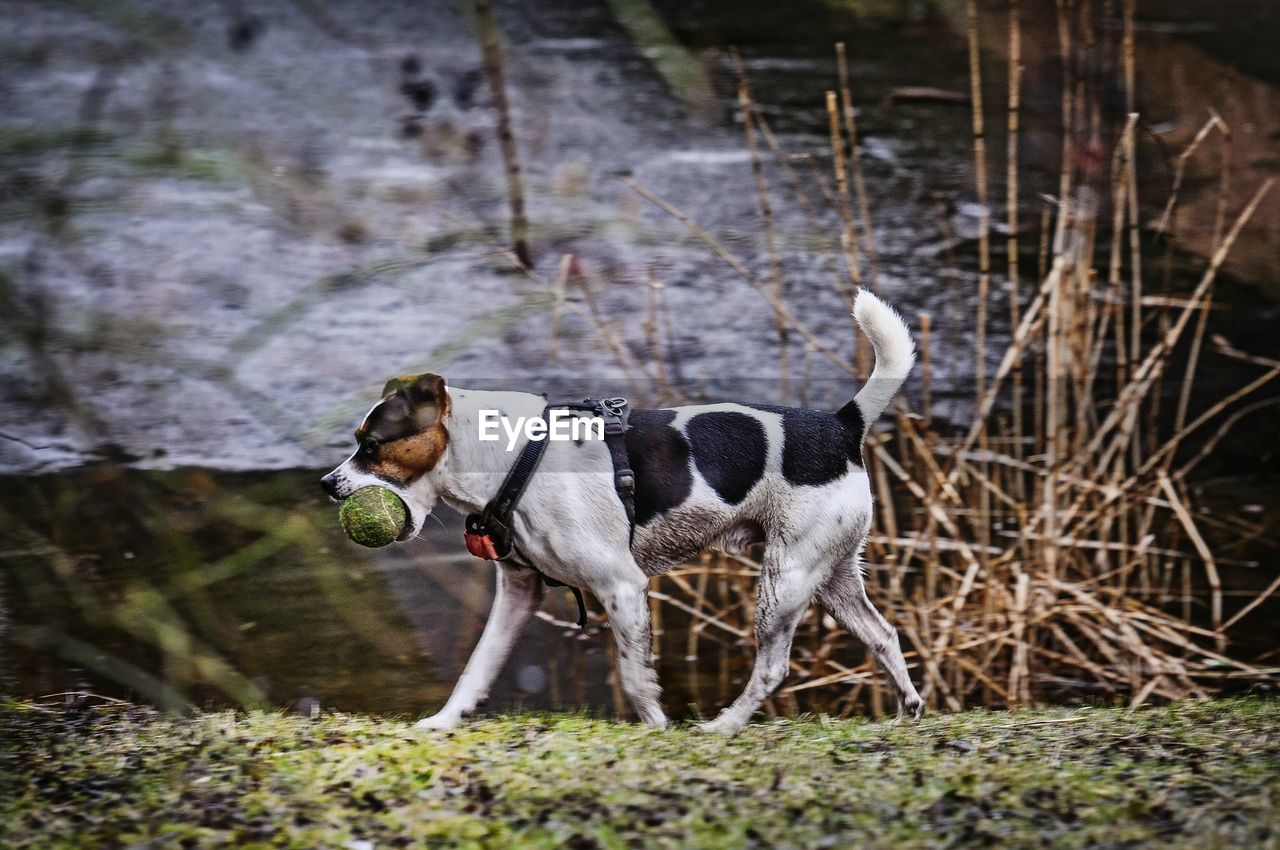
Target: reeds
column 491, row 47
column 1051, row 543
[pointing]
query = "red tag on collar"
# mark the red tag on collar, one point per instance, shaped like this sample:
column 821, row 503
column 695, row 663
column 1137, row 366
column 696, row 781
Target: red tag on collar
column 481, row 545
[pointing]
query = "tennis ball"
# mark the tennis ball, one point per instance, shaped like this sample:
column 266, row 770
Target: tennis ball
column 373, row 516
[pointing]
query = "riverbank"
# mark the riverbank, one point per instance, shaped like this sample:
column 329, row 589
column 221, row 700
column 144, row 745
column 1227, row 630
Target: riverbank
column 1189, row 775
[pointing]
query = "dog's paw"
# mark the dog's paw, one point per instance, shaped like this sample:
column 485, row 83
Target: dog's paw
column 438, row 722
column 912, row 709
column 720, row 726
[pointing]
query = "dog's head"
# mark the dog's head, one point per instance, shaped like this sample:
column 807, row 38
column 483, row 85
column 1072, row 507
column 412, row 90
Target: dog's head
column 401, row 445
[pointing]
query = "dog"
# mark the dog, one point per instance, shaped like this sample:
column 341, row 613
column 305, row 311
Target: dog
column 724, row 475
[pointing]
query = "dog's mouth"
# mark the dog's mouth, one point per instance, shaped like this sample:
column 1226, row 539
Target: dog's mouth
column 409, row 531
column 415, row 519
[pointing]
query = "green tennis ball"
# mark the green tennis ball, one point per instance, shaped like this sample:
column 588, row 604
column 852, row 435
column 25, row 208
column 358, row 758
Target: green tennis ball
column 373, row 516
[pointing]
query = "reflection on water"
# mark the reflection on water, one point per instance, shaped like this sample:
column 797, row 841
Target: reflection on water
column 195, row 587
column 199, row 587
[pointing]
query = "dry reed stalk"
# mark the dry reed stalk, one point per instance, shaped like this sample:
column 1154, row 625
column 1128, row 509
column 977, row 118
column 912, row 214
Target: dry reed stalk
column 926, row 368
column 1224, row 187
column 1127, row 56
column 657, row 336
column 1210, row 567
column 1179, row 170
column 1146, row 373
column 1248, row 609
column 806, row 377
column 1110, row 309
column 1193, row 360
column 588, row 312
column 886, row 517
column 855, row 162
column 984, row 248
column 766, row 217
column 491, row 48
column 1172, row 445
column 980, row 184
column 627, row 363
column 1067, row 175
column 1123, row 413
column 1135, row 251
column 1011, row 203
column 793, row 179
column 558, row 289
column 848, row 236
column 798, row 191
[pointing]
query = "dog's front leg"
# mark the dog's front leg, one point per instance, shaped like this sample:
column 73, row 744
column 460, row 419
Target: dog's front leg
column 518, row 595
column 628, row 606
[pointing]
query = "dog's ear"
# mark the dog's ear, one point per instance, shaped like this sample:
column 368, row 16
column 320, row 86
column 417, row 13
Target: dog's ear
column 425, row 394
column 394, row 385
column 425, row 387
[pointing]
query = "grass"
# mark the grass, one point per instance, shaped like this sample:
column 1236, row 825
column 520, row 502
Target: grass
column 1196, row 774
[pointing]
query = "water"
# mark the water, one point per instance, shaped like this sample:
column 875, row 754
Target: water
column 222, row 230
column 244, row 243
column 241, row 588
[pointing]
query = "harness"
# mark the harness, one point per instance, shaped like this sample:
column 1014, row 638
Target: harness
column 489, row 533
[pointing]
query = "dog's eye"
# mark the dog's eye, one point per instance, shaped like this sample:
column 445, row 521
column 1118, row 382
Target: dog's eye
column 369, row 448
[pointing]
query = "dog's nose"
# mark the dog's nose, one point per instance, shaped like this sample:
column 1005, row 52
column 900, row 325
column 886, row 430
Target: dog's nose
column 330, row 485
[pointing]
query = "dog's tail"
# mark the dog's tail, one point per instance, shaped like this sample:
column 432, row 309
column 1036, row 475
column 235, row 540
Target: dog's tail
column 895, row 355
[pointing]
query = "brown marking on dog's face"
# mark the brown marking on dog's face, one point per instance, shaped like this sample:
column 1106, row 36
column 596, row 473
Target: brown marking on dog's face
column 404, row 436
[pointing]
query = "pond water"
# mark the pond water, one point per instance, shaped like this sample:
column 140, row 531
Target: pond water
column 206, row 588
column 224, row 227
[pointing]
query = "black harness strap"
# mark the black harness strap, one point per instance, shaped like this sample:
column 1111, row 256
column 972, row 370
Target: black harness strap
column 616, row 414
column 489, row 534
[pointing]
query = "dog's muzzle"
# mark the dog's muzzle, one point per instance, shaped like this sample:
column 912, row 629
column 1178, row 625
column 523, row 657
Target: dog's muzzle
column 330, row 485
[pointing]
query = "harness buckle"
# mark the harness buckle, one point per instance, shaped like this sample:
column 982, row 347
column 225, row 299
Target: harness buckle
column 614, row 412
column 614, row 405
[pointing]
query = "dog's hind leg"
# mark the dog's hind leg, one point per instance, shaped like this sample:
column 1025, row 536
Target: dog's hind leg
column 518, row 595
column 787, row 585
column 628, row 605
column 845, row 598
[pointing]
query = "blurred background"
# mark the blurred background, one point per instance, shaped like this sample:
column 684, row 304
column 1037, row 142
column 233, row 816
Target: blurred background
column 223, row 225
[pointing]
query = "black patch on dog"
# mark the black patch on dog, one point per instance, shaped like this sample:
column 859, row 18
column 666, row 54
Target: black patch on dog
column 660, row 458
column 729, row 449
column 817, row 446
column 851, row 416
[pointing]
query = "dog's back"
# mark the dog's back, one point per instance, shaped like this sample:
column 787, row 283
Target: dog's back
column 732, row 474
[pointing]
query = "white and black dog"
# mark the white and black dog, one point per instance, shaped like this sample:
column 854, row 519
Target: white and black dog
column 713, row 474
